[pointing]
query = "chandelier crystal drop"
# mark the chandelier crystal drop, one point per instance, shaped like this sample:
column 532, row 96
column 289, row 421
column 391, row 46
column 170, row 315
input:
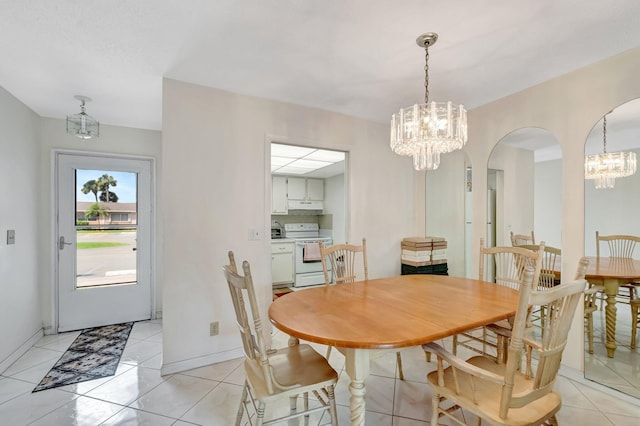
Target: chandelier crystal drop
column 82, row 125
column 424, row 131
column 606, row 167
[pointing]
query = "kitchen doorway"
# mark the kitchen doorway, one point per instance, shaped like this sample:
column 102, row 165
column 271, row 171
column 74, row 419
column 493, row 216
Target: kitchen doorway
column 308, row 187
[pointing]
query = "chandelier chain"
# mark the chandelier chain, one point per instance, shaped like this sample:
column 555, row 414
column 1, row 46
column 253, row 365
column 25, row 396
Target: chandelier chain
column 426, row 75
column 604, row 134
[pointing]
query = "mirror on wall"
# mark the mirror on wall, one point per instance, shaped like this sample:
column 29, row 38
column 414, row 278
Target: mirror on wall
column 448, row 208
column 524, row 188
column 614, row 211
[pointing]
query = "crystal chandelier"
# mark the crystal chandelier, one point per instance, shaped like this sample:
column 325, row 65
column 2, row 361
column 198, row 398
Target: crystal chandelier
column 427, row 130
column 83, row 125
column 606, row 167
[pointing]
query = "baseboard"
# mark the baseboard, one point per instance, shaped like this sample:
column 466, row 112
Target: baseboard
column 6, row 363
column 203, row 361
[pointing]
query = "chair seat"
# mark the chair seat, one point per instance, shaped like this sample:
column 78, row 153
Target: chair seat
column 488, row 395
column 299, row 366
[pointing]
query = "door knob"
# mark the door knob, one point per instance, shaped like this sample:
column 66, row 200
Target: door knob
column 62, row 243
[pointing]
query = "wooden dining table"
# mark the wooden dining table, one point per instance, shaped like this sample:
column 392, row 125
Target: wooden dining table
column 388, row 313
column 612, row 272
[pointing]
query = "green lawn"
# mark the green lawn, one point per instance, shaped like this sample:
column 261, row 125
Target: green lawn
column 90, row 245
column 103, row 231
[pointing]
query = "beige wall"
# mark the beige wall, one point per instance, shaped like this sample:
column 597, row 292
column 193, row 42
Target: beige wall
column 548, row 202
column 444, row 208
column 20, row 277
column 215, row 158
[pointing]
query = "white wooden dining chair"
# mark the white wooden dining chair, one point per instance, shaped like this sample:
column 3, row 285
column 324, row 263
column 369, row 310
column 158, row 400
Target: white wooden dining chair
column 635, row 320
column 510, row 263
column 275, row 374
column 501, row 394
column 522, row 239
column 340, row 262
column 549, row 277
column 589, row 308
column 620, row 246
column 342, row 265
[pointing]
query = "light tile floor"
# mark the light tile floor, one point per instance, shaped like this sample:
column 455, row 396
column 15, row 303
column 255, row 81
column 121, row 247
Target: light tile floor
column 621, row 372
column 138, row 395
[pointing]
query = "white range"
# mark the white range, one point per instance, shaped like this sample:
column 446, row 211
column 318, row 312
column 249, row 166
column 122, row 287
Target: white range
column 308, row 266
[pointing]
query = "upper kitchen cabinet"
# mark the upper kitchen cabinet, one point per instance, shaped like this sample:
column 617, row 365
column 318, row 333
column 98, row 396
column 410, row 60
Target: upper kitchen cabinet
column 305, row 194
column 315, row 189
column 279, row 195
column 303, row 189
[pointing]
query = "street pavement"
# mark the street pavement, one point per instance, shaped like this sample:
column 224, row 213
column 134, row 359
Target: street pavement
column 106, row 265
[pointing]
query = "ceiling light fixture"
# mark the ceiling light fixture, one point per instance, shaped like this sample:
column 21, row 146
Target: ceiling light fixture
column 427, row 130
column 83, row 125
column 606, row 167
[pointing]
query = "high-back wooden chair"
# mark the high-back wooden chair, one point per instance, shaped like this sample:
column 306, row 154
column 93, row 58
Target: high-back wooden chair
column 510, row 263
column 589, row 308
column 342, row 259
column 635, row 320
column 620, row 246
column 500, row 393
column 550, row 268
column 522, row 239
column 273, row 374
column 548, row 278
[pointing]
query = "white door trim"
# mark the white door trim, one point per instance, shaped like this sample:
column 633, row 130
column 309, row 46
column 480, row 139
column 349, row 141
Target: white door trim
column 53, row 240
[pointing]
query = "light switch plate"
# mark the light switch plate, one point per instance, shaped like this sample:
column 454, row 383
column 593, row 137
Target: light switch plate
column 255, row 234
column 11, row 236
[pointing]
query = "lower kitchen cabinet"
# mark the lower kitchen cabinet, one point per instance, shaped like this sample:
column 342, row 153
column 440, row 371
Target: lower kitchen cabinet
column 282, row 269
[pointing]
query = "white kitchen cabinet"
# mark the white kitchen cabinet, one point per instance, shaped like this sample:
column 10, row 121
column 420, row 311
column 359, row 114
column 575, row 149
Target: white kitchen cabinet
column 279, row 195
column 282, row 268
column 315, row 189
column 303, row 189
column 296, row 188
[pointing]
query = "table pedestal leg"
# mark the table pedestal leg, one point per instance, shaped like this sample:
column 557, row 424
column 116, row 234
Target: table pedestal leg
column 357, row 365
column 611, row 291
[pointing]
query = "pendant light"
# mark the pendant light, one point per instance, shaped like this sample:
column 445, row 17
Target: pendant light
column 82, row 125
column 427, row 130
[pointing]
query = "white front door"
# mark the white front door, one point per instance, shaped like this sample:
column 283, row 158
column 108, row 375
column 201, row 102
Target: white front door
column 103, row 240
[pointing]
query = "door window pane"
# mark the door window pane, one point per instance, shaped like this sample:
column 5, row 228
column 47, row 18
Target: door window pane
column 106, row 228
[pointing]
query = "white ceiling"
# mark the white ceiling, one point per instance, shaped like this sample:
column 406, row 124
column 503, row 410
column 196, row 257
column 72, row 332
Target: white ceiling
column 356, row 57
column 298, row 160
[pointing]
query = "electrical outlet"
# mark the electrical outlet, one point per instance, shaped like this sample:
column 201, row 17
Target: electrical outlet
column 214, row 328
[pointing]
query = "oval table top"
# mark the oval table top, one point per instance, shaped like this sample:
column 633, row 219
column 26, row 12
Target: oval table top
column 619, row 268
column 394, row 312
